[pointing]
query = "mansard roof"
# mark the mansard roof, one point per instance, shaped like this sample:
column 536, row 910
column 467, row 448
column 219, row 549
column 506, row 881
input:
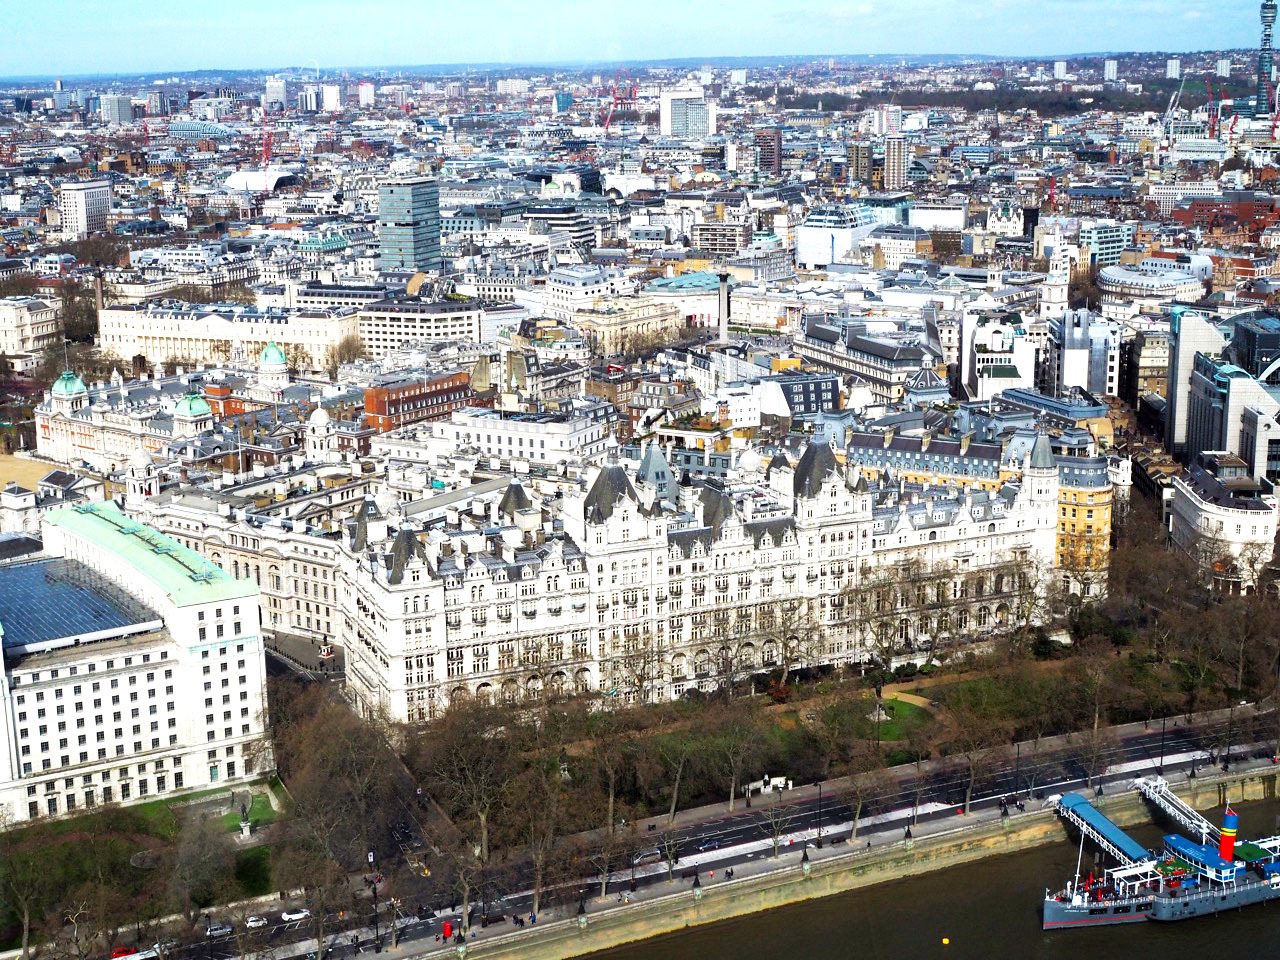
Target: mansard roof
column 817, row 463
column 514, row 499
column 611, row 485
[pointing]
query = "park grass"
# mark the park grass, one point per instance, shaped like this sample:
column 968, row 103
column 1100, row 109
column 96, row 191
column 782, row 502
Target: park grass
column 253, row 871
column 260, row 813
column 854, row 716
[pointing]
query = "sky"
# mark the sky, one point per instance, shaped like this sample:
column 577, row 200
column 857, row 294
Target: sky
column 51, row 38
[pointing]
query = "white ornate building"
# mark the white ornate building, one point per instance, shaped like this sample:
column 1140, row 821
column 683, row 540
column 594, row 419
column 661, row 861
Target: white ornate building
column 644, row 589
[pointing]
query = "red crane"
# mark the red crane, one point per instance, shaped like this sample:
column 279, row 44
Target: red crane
column 621, row 94
column 1209, row 108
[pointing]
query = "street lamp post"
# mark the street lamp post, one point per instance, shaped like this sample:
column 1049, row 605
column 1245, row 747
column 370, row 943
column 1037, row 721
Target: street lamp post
column 819, row 813
column 373, row 883
column 1164, row 721
column 1017, row 766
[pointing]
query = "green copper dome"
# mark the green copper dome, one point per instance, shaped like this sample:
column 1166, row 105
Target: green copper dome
column 192, row 405
column 272, row 355
column 68, row 385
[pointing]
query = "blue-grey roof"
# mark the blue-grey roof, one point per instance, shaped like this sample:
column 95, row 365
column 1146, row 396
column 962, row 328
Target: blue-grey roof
column 50, row 600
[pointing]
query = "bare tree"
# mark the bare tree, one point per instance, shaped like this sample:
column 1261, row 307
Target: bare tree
column 468, row 760
column 738, row 737
column 788, row 631
column 775, row 818
column 867, row 778
column 25, row 877
column 204, row 862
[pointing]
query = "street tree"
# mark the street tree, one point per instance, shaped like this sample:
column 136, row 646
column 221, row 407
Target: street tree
column 203, row 870
column 26, row 881
column 867, row 778
column 737, row 737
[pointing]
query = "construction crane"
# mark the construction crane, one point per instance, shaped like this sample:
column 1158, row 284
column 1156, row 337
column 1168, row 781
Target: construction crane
column 1210, row 110
column 621, row 94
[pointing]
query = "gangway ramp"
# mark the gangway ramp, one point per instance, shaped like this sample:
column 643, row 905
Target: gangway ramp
column 1095, row 825
column 1157, row 790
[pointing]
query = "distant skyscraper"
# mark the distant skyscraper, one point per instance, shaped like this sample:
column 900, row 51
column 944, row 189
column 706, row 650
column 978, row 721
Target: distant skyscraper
column 83, row 208
column 769, row 143
column 409, row 224
column 115, row 109
column 858, row 161
column 895, row 162
column 366, row 93
column 1110, row 70
column 1224, row 67
column 564, row 100
column 1262, row 106
column 57, row 85
column 1060, row 70
column 686, row 113
column 276, row 95
column 331, row 97
column 1173, row 69
column 738, row 78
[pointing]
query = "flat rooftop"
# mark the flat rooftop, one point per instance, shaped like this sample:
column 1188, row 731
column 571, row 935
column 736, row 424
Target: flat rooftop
column 185, row 577
column 46, row 604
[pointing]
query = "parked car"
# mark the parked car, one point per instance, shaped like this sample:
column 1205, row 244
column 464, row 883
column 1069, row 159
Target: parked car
column 646, row 857
column 164, row 946
column 119, row 952
column 706, row 845
column 219, row 929
column 301, row 913
column 255, row 923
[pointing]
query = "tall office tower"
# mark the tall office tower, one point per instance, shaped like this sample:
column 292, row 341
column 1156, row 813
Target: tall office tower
column 57, row 85
column 366, row 92
column 409, row 224
column 309, row 99
column 895, row 162
column 1262, row 105
column 332, row 97
column 114, row 606
column 769, row 143
column 858, row 161
column 1060, row 70
column 564, row 100
column 1173, row 69
column 738, row 78
column 1110, row 70
column 276, row 95
column 1224, row 68
column 115, row 109
column 83, row 207
column 686, row 113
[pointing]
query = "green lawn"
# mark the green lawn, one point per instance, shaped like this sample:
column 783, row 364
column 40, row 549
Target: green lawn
column 854, row 716
column 253, row 871
column 260, row 813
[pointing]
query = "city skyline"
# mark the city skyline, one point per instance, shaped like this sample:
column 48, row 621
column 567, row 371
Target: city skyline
column 326, row 34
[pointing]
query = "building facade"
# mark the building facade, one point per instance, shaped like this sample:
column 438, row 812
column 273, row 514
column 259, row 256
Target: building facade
column 409, row 224
column 83, row 208
column 611, row 588
column 133, row 669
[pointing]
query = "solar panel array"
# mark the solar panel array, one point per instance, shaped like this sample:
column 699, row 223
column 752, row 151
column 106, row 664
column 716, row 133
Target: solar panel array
column 54, row 599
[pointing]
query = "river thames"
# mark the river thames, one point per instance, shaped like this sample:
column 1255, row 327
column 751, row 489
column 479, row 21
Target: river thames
column 988, row 910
